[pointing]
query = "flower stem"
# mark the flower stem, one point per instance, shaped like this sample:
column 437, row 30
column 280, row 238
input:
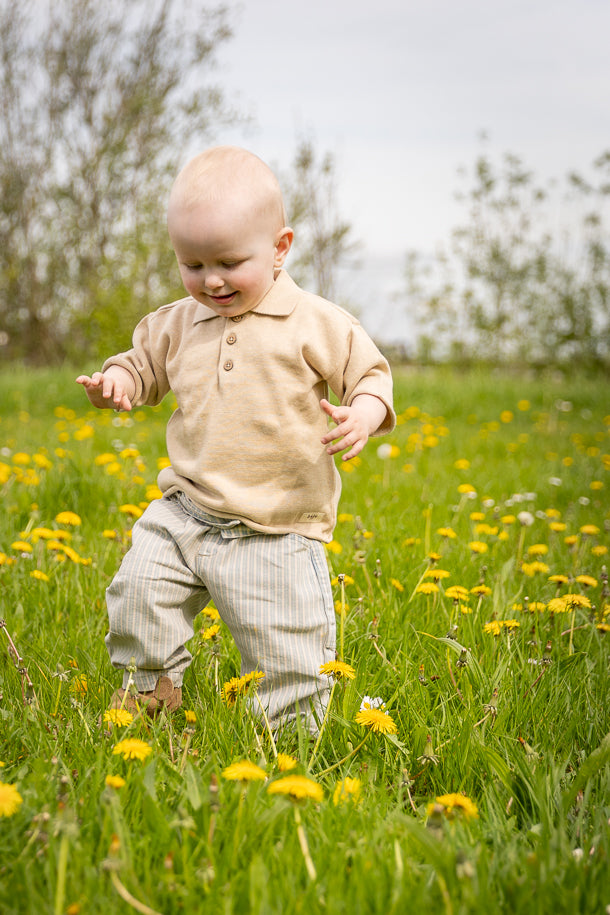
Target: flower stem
column 62, row 869
column 345, row 758
column 304, row 845
column 323, row 725
column 342, row 619
column 267, row 725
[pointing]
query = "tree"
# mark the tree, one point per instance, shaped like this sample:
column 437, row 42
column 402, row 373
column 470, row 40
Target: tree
column 322, row 239
column 99, row 103
column 516, row 286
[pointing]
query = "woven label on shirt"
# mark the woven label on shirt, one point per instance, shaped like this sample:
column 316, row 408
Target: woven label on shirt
column 311, row 516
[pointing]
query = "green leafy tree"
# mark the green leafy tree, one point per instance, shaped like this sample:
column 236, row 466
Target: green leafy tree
column 322, row 239
column 100, row 102
column 520, row 282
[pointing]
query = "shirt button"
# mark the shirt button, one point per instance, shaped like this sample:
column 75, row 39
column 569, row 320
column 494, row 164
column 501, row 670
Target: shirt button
column 237, row 319
column 228, row 365
column 231, row 338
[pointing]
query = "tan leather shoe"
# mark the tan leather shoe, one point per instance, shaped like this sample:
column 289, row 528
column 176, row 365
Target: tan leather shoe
column 164, row 696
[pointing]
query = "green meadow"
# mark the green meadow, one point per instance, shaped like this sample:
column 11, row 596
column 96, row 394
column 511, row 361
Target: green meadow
column 464, row 762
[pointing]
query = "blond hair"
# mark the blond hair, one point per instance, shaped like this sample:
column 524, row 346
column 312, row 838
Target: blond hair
column 228, row 172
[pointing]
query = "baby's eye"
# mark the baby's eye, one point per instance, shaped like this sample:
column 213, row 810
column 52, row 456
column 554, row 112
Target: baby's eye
column 229, row 264
column 193, row 266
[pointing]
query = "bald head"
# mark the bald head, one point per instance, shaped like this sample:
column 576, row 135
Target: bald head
column 227, row 175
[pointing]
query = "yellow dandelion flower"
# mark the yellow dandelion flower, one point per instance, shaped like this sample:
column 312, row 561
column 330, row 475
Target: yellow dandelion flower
column 110, row 535
column 79, row 685
column 115, row 781
column 523, row 405
column 84, row 432
column 437, row 574
column 334, row 547
column 489, row 529
column 60, row 536
column 427, row 587
column 102, row 459
column 376, row 720
column 434, row 557
column 571, row 540
column 456, row 804
column 69, row 518
column 10, row 800
column 285, row 762
column 587, row 581
column 231, row 690
column 477, row 516
column 344, row 517
column 559, row 579
column 40, row 576
column 596, row 485
column 348, row 789
column 557, row 526
column 557, row 605
column 465, row 488
column 447, row 532
column 477, row 546
column 577, row 600
column 481, row 590
column 190, row 716
column 253, row 677
column 589, row 530
column 297, row 787
column 532, row 568
column 132, row 748
column 244, row 771
column 538, row 549
column 22, row 546
column 118, row 716
column 134, row 510
column 508, row 519
column 603, row 627
column 494, row 627
column 347, row 579
column 211, row 612
column 462, row 464
column 339, row 670
column 210, row 633
column 457, row 592
column 396, row 584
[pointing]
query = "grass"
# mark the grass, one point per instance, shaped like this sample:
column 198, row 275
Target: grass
column 500, row 697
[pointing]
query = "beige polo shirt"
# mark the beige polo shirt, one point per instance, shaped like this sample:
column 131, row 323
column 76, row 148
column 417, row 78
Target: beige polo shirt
column 244, row 441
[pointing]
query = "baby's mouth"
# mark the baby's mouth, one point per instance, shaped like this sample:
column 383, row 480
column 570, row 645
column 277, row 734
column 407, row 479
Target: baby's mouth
column 223, row 299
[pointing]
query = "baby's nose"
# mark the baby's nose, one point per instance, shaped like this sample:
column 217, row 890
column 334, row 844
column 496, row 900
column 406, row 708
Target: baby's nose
column 213, row 281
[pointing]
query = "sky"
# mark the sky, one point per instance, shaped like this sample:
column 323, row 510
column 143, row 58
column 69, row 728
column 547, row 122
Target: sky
column 400, row 93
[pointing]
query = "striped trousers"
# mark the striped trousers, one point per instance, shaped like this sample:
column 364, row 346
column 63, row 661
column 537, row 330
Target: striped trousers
column 271, row 590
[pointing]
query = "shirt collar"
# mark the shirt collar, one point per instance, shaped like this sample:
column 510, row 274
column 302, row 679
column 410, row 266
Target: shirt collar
column 280, row 301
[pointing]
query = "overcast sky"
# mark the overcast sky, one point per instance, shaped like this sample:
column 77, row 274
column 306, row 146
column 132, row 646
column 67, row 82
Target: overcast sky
column 400, row 91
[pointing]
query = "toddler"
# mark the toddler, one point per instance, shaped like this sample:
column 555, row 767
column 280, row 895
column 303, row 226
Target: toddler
column 251, row 493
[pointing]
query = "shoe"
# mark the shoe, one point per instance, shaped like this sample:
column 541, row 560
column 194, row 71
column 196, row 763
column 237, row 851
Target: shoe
column 164, row 696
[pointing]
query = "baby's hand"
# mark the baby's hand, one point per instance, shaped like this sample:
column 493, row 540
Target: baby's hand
column 106, row 390
column 352, row 430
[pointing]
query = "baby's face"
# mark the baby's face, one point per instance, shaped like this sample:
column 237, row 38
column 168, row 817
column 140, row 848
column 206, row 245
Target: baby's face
column 228, row 254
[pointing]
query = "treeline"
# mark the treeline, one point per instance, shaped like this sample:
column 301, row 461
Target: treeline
column 102, row 103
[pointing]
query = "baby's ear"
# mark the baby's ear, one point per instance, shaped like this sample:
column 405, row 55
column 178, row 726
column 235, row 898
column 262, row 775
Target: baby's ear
column 283, row 244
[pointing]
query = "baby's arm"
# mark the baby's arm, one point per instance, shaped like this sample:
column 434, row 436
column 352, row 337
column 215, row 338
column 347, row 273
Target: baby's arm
column 113, row 389
column 354, row 424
